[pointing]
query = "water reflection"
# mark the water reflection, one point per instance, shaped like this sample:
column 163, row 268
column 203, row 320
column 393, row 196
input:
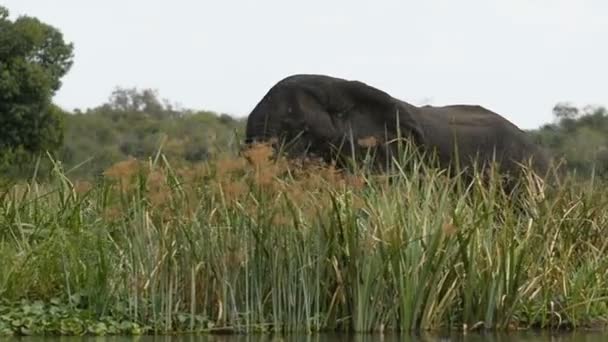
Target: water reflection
column 530, row 337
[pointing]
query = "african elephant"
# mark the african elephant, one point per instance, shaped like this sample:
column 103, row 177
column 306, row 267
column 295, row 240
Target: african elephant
column 316, row 114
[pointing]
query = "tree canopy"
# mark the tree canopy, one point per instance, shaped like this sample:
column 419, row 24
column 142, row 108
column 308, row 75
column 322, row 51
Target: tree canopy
column 33, row 59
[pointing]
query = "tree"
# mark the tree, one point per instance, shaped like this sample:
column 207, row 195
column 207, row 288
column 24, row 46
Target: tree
column 146, row 101
column 564, row 110
column 33, row 59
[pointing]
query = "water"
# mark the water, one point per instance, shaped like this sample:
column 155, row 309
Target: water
column 473, row 337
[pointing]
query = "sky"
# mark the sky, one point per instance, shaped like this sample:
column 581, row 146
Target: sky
column 516, row 57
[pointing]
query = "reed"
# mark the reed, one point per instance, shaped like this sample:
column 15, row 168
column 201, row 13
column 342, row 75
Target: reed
column 249, row 244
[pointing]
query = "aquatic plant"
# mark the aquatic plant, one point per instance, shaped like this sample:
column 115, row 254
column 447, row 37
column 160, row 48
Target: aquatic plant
column 251, row 243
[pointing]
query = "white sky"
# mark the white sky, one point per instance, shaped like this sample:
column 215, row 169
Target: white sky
column 516, row 57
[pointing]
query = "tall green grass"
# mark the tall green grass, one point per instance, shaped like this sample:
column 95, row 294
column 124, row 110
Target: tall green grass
column 249, row 244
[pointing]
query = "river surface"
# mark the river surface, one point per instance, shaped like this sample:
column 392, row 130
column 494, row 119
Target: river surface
column 472, row 337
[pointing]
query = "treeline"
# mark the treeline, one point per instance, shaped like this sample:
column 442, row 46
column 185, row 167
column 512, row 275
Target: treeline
column 579, row 137
column 137, row 124
column 132, row 124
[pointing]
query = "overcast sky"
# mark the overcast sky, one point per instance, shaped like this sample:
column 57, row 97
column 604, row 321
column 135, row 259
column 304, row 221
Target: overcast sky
column 516, row 57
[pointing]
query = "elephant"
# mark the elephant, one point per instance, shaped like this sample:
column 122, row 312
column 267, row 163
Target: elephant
column 331, row 118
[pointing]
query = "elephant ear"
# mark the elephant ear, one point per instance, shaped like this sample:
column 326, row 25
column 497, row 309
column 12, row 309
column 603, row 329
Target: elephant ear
column 369, row 96
column 391, row 110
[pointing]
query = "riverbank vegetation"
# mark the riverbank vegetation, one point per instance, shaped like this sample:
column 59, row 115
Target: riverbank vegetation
column 138, row 216
column 251, row 244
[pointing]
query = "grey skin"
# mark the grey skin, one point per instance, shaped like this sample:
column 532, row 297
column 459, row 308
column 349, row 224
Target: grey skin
column 318, row 114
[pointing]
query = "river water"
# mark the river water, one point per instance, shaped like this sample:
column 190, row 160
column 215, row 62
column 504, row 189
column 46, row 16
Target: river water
column 473, row 337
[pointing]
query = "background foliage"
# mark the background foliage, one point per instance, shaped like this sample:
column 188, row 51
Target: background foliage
column 137, row 124
column 33, row 59
column 579, row 136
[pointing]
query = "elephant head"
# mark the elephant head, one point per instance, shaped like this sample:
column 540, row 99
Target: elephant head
column 332, row 118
